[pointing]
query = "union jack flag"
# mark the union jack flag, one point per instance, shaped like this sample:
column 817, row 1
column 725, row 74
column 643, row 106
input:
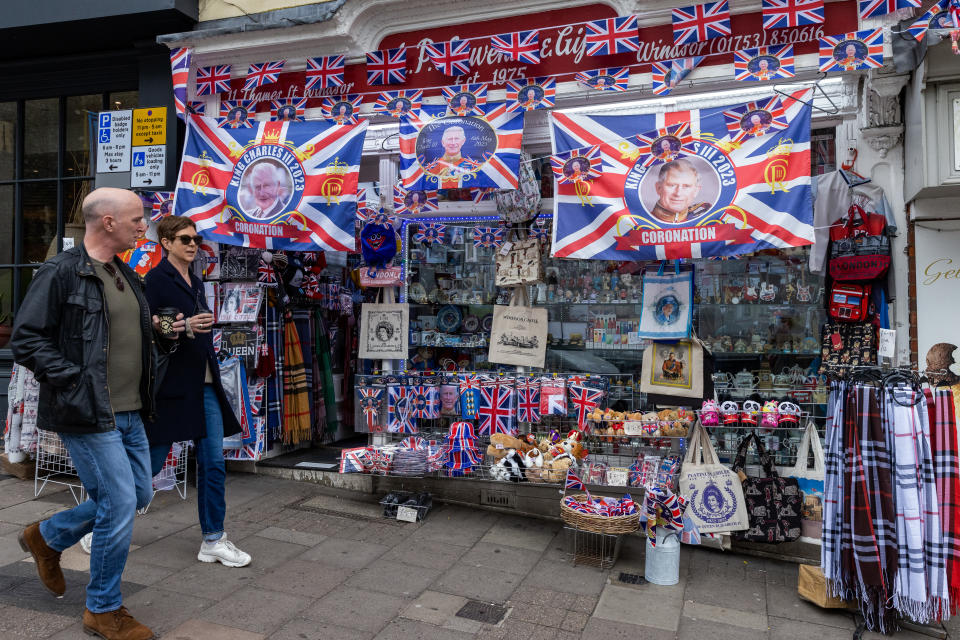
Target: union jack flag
column 257, row 390
column 289, row 110
column 266, row 274
column 701, row 22
column 426, row 401
column 779, row 14
column 936, row 17
column 577, row 165
column 161, row 205
column 612, row 35
column 520, row 46
column 343, row 109
column 665, row 144
column 539, row 231
column 179, row 72
column 528, row 400
column 481, row 194
column 362, row 212
column 763, row 63
column 197, row 107
column 583, row 400
column 531, row 93
column 852, row 51
column 466, row 99
column 667, row 75
column 609, row 79
column 496, row 412
column 401, row 417
column 323, row 72
column 874, row 8
column 398, row 103
column 488, row 236
column 573, row 482
column 264, row 73
column 450, row 58
column 430, row 232
column 213, row 80
column 388, row 66
column 754, row 119
column 237, row 114
column 405, row 202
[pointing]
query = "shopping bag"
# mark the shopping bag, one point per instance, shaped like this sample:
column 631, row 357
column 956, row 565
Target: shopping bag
column 667, row 304
column 810, row 482
column 713, row 490
column 773, row 502
column 812, row 587
column 521, row 263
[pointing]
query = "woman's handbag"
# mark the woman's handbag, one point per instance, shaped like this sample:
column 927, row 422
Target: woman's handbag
column 713, row 491
column 520, row 263
column 773, row 503
column 811, row 483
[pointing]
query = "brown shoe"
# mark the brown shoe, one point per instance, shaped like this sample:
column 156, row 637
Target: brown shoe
column 46, row 559
column 115, row 625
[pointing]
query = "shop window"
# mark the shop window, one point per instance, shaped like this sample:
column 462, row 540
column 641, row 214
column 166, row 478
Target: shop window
column 39, row 219
column 8, row 138
column 823, row 151
column 81, row 128
column 6, row 224
column 42, row 126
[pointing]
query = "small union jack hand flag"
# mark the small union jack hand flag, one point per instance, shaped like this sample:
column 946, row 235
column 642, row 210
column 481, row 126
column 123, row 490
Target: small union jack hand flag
column 701, row 22
column 414, row 201
column 398, row 103
column 612, row 35
column 610, row 79
column 431, row 232
column 450, row 58
column 573, row 482
column 583, row 400
column 161, row 205
column 236, row 114
column 488, row 236
column 324, row 72
column 578, row 165
column 213, row 80
column 262, row 74
column 519, row 46
column 780, row 14
column 179, row 71
column 388, row 66
column 291, row 110
column 874, row 8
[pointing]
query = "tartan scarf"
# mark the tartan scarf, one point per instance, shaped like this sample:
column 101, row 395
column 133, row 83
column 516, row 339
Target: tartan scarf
column 274, row 337
column 833, row 514
column 869, row 554
column 920, row 591
column 946, row 465
column 296, row 401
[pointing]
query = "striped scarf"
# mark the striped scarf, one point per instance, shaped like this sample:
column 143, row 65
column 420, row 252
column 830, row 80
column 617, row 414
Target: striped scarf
column 946, row 464
column 834, row 529
column 296, row 401
column 274, row 337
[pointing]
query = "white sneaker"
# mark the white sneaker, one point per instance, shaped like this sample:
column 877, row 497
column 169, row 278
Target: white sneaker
column 85, row 542
column 224, row 552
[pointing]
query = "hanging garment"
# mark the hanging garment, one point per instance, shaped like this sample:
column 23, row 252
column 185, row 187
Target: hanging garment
column 274, row 337
column 321, row 342
column 943, row 431
column 301, row 319
column 296, row 403
column 833, row 515
column 233, row 376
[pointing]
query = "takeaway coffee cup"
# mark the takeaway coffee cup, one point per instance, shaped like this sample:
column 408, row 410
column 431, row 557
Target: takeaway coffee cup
column 167, row 316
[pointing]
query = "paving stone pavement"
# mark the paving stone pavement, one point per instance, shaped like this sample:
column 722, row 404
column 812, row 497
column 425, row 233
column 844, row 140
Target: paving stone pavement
column 325, row 568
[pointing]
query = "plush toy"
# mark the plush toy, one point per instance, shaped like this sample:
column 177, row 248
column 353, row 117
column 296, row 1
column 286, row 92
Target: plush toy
column 511, row 467
column 533, row 461
column 501, row 444
column 555, row 469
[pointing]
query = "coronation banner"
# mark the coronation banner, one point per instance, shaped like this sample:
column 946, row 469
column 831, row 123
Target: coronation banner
column 713, row 182
column 281, row 185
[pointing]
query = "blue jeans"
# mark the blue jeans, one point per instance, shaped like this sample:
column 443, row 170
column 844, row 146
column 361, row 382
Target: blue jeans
column 211, row 471
column 114, row 469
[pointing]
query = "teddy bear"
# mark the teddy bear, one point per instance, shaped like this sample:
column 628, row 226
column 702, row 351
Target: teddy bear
column 555, row 469
column 501, row 444
column 533, row 461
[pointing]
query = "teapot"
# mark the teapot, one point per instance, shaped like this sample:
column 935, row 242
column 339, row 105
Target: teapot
column 744, row 382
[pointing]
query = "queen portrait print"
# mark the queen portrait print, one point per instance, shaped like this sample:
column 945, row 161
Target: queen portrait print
column 714, row 504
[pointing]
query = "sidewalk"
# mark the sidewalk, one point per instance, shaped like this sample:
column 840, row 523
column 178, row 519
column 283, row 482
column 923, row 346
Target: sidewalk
column 327, row 568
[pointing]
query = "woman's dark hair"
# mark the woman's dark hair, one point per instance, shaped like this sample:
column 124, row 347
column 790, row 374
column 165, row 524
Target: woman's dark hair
column 169, row 226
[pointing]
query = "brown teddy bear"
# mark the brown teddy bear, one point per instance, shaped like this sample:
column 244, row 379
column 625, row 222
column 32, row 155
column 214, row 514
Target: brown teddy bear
column 501, row 443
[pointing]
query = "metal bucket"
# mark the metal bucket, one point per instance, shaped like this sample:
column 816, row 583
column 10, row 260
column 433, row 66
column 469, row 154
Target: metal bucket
column 662, row 564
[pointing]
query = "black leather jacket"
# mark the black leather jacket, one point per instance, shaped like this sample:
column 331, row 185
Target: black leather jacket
column 61, row 334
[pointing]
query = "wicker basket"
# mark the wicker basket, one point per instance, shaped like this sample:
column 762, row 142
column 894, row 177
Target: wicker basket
column 597, row 523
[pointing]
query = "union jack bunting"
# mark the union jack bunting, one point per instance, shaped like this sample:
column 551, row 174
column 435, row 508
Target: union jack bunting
column 262, row 74
column 488, row 236
column 577, row 165
column 237, row 114
column 401, row 417
column 466, row 99
column 430, row 232
column 197, row 107
column 161, row 205
column 289, row 110
column 496, row 411
column 388, row 66
column 874, row 8
column 612, row 35
column 755, row 119
column 852, row 51
column 539, row 231
column 179, row 72
column 609, row 79
column 763, row 63
column 343, row 109
column 486, row 154
column 583, row 400
column 398, row 103
column 519, row 46
column 450, row 58
column 936, row 17
column 526, row 94
column 573, row 481
column 213, row 80
column 481, row 194
column 413, row 202
column 528, row 400
column 664, row 145
column 324, row 72
column 577, row 379
column 701, row 22
column 667, row 75
column 779, row 14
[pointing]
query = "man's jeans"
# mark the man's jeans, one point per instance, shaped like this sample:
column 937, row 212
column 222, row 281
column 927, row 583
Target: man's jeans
column 114, row 468
column 211, row 470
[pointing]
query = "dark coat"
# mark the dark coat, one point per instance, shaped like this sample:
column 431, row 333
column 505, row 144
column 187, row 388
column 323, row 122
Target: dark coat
column 180, row 396
column 61, row 333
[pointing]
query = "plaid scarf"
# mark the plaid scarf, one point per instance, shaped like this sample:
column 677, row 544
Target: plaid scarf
column 921, row 585
column 946, row 463
column 869, row 555
column 296, row 401
column 274, row 336
column 833, row 520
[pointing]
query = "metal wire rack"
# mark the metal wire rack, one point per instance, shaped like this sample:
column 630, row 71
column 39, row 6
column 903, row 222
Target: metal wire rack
column 599, row 550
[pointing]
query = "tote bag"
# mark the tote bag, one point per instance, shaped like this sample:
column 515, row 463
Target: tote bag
column 713, row 490
column 811, row 482
column 773, row 503
column 667, row 304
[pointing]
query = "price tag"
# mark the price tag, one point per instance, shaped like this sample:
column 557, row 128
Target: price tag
column 499, row 445
column 406, row 514
column 617, row 477
column 888, row 344
column 505, row 248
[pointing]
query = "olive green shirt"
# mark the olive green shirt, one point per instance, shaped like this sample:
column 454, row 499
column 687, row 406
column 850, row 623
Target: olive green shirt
column 124, row 341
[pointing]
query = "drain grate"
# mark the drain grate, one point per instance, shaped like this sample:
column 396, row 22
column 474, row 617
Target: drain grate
column 632, row 578
column 482, row 612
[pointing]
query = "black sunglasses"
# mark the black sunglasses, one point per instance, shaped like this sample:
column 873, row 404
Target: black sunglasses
column 188, row 239
column 112, row 270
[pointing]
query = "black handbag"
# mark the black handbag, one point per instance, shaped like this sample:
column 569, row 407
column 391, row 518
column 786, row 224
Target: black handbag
column 773, row 503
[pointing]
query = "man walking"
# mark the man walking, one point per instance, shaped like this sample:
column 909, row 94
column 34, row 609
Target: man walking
column 85, row 331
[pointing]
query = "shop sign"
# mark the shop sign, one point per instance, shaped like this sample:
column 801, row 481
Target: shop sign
column 938, row 292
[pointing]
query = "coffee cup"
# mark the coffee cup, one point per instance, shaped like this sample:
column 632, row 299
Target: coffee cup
column 167, row 316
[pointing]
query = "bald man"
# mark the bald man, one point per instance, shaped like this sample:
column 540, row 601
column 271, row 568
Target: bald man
column 86, row 332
